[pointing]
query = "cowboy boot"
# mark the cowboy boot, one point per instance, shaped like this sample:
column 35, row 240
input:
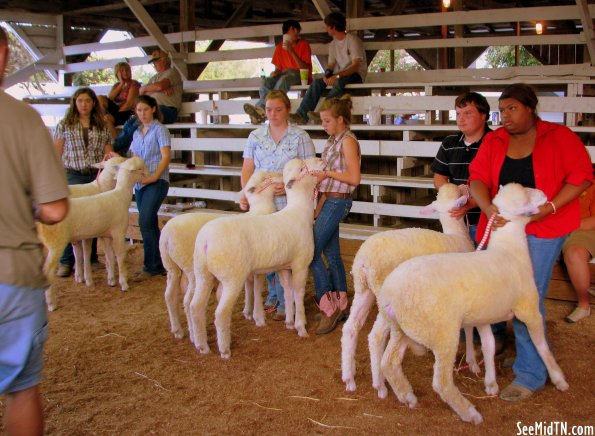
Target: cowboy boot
column 342, row 303
column 330, row 313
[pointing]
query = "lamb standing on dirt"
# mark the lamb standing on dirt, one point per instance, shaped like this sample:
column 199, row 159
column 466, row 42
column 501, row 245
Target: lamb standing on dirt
column 176, row 245
column 377, row 257
column 230, row 249
column 103, row 215
column 427, row 299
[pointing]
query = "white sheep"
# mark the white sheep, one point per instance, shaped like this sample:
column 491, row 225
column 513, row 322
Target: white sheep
column 176, row 245
column 230, row 249
column 103, row 215
column 377, row 257
column 105, row 181
column 426, row 300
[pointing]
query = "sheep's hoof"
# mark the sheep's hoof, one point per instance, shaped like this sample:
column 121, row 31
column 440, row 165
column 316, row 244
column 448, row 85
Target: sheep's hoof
column 260, row 322
column 124, row 287
column 492, row 388
column 302, row 333
column 51, row 307
column 562, row 385
column 78, row 279
column 410, row 400
column 474, row 416
column 382, row 392
column 474, row 367
column 89, row 283
column 248, row 316
column 178, row 334
column 203, row 349
column 111, row 283
column 289, row 326
column 226, row 355
column 350, row 385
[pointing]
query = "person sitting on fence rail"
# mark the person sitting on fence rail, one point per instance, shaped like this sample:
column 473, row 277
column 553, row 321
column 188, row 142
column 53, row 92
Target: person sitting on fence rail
column 291, row 55
column 346, row 64
column 165, row 87
column 119, row 103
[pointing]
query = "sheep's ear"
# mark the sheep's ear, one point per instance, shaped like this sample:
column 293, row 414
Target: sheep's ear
column 430, row 208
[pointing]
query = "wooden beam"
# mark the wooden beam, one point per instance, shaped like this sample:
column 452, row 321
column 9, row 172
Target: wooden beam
column 587, row 22
column 152, row 29
column 322, row 7
column 31, row 48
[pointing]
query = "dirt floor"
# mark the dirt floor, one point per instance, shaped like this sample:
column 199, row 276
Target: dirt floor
column 112, row 367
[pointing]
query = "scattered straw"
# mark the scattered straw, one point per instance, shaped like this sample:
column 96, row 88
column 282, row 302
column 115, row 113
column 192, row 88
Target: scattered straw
column 304, row 398
column 111, row 334
column 373, row 416
column 330, row 426
column 346, row 399
column 484, row 397
column 154, row 381
column 258, row 405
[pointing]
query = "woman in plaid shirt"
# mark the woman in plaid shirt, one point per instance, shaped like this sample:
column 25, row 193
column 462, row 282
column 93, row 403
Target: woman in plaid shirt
column 342, row 175
column 81, row 139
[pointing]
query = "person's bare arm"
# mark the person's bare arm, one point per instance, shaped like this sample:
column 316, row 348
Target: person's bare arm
column 59, row 146
column 52, row 212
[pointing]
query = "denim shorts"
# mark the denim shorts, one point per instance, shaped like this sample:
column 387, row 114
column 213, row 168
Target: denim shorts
column 23, row 333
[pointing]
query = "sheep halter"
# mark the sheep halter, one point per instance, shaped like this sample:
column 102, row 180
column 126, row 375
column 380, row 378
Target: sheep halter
column 486, row 233
column 303, row 172
column 268, row 182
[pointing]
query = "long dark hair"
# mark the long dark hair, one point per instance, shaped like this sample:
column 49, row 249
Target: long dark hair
column 72, row 116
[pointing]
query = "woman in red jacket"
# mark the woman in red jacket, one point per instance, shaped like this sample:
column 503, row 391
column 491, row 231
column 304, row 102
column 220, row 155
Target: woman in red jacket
column 542, row 155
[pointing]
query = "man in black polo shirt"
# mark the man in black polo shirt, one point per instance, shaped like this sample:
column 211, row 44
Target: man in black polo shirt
column 452, row 165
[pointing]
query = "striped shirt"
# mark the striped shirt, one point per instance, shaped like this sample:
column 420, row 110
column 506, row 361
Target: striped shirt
column 453, row 159
column 148, row 147
column 271, row 156
column 77, row 155
column 334, row 160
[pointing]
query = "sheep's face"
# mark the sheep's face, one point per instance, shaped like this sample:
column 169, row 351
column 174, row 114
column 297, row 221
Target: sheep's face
column 135, row 165
column 514, row 201
column 262, row 183
column 297, row 169
column 449, row 196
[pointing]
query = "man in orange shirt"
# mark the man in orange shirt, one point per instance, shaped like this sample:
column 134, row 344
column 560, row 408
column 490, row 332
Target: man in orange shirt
column 291, row 55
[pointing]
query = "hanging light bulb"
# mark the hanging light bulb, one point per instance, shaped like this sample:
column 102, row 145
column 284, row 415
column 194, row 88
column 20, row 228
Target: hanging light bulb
column 538, row 28
column 446, row 4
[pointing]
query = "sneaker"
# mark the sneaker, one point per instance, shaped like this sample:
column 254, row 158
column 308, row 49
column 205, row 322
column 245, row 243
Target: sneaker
column 271, row 308
column 328, row 323
column 257, row 113
column 314, row 117
column 279, row 316
column 514, row 392
column 577, row 314
column 64, row 270
column 297, row 119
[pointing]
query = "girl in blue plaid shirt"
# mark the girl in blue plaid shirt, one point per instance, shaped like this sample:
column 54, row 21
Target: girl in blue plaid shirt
column 151, row 142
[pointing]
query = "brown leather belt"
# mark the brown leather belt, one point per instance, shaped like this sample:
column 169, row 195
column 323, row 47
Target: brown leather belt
column 336, row 195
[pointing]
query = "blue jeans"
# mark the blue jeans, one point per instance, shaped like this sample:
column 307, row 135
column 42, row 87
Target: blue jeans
column 169, row 113
column 316, row 89
column 148, row 200
column 68, row 254
column 528, row 367
column 326, row 240
column 282, row 81
column 276, row 292
column 23, row 333
column 124, row 139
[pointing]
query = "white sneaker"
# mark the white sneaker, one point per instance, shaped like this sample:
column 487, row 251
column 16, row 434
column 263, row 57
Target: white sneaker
column 577, row 314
